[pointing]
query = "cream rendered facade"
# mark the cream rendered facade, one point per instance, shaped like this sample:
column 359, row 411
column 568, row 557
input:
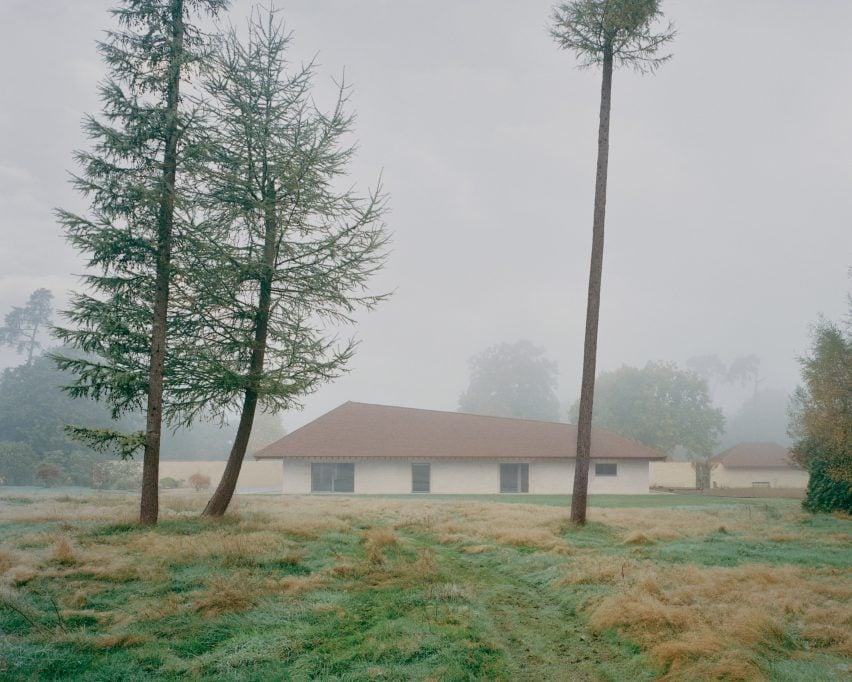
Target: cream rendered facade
column 748, row 477
column 392, row 476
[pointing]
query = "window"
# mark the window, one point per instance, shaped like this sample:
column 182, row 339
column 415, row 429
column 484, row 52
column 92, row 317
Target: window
column 332, row 478
column 514, row 478
column 760, row 484
column 606, row 469
column 420, row 478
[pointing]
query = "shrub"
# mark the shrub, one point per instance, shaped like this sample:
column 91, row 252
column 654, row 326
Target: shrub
column 48, row 474
column 826, row 494
column 199, row 481
column 125, row 475
column 16, row 463
column 169, row 483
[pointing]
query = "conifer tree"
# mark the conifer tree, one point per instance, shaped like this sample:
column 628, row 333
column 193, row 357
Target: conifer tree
column 604, row 32
column 133, row 233
column 294, row 251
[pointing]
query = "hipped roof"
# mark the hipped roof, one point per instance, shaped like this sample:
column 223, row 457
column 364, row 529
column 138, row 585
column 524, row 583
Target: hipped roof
column 365, row 430
column 771, row 455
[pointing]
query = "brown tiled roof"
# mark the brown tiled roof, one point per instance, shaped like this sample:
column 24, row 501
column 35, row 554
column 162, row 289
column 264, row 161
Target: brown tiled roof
column 755, row 455
column 364, row 430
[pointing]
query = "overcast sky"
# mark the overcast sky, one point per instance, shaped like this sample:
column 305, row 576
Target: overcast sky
column 729, row 218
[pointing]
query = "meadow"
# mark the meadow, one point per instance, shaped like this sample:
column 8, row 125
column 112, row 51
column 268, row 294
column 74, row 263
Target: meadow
column 345, row 588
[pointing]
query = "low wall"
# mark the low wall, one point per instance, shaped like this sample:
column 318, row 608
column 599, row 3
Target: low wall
column 255, row 476
column 682, row 475
column 672, row 475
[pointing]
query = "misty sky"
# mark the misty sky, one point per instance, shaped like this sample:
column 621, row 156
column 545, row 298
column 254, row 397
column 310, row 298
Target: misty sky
column 729, row 222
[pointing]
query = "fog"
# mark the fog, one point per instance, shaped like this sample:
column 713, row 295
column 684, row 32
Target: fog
column 729, row 218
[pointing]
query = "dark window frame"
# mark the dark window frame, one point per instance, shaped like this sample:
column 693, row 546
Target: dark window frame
column 608, row 469
column 334, row 477
column 415, row 480
column 514, row 477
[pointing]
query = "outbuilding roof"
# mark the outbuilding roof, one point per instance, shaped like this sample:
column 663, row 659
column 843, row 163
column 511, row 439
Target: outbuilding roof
column 366, row 430
column 770, row 455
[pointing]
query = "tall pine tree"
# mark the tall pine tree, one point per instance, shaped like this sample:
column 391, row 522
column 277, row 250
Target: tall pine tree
column 605, row 32
column 133, row 231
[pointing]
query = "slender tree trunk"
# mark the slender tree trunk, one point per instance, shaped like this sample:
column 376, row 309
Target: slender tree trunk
column 32, row 344
column 220, row 500
column 587, row 391
column 149, row 507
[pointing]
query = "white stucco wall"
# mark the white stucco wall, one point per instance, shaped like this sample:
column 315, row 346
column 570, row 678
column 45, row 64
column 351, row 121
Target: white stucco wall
column 255, row 475
column 780, row 477
column 672, row 474
column 470, row 477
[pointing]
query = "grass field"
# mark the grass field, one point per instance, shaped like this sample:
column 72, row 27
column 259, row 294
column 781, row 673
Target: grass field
column 502, row 588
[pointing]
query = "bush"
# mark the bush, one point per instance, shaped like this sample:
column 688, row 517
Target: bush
column 17, row 461
column 48, row 474
column 826, row 494
column 125, row 475
column 169, row 483
column 199, row 481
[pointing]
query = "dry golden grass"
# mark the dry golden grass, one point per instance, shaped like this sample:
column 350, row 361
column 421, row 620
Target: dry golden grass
column 375, row 541
column 63, row 554
column 700, row 623
column 723, row 617
column 244, row 590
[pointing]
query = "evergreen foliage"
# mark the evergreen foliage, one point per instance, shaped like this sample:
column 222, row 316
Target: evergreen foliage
column 139, row 222
column 293, row 250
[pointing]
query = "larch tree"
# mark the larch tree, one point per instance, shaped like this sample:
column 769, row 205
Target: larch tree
column 133, row 230
column 23, row 325
column 296, row 244
column 605, row 33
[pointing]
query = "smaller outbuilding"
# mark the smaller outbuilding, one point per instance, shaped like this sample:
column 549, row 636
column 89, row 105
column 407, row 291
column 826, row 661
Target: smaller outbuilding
column 757, row 465
column 383, row 449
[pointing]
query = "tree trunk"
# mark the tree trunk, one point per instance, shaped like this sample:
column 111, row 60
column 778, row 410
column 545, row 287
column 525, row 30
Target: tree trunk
column 587, row 391
column 149, row 507
column 221, row 498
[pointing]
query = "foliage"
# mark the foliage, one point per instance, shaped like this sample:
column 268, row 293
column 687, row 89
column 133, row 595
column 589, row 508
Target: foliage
column 821, row 416
column 199, row 481
column 17, row 463
column 295, row 248
column 825, row 493
column 622, row 29
column 293, row 252
column 21, row 326
column 169, row 483
column 660, row 406
column 49, row 474
column 111, row 475
column 512, row 380
column 35, row 410
column 129, row 235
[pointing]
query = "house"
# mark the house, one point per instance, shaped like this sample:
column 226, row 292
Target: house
column 757, row 465
column 380, row 449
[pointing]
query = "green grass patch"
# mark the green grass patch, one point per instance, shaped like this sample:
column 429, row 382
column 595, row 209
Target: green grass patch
column 472, row 588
